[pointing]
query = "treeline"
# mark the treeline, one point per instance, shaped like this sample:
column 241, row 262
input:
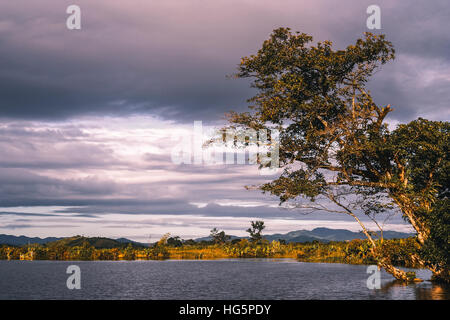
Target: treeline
column 399, row 251
column 219, row 246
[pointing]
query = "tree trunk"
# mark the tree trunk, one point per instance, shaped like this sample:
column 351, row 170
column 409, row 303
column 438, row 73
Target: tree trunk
column 406, row 207
column 395, row 272
column 381, row 261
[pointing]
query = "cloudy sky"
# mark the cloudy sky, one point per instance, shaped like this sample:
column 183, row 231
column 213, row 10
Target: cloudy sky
column 89, row 118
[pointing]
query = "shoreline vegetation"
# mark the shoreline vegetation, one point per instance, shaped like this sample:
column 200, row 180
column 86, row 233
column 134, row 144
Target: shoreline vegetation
column 398, row 251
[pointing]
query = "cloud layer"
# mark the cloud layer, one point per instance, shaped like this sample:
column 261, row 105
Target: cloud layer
column 171, row 57
column 115, row 177
column 87, row 117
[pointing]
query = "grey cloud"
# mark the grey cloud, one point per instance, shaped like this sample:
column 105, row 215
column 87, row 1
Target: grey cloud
column 171, row 58
column 13, row 226
column 20, row 184
column 24, row 145
column 25, row 214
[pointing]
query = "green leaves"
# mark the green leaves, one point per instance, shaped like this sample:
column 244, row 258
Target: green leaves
column 255, row 231
column 421, row 146
column 437, row 246
column 294, row 184
column 333, row 139
column 315, row 97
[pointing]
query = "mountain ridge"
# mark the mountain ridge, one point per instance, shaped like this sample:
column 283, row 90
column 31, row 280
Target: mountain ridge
column 319, row 234
column 100, row 242
column 322, row 234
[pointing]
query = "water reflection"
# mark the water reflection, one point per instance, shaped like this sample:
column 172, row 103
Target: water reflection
column 420, row 291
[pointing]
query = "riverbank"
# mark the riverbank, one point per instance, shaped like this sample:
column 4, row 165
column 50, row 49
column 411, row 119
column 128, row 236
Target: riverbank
column 399, row 252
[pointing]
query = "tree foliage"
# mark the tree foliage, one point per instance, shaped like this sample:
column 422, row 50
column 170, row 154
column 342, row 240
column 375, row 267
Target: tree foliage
column 335, row 147
column 437, row 246
column 255, row 231
column 219, row 237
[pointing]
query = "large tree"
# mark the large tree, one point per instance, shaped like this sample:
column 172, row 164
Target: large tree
column 337, row 152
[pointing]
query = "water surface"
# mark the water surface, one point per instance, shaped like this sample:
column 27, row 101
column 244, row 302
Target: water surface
column 205, row 279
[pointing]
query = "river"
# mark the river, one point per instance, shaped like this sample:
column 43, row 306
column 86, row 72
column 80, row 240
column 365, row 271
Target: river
column 205, row 279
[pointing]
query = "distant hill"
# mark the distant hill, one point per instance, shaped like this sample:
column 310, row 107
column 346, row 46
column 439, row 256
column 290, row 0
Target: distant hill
column 21, row 240
column 323, row 235
column 326, row 235
column 319, row 234
column 97, row 242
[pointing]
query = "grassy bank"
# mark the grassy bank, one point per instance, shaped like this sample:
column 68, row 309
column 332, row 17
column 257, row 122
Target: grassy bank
column 399, row 251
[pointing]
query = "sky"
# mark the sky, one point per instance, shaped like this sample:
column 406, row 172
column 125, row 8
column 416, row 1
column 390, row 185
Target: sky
column 90, row 118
